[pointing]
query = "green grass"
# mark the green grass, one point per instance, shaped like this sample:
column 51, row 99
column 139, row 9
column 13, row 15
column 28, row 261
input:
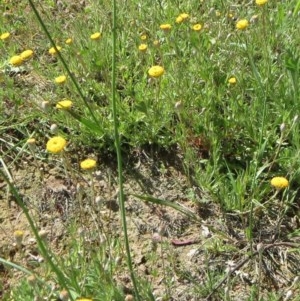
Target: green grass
column 231, row 138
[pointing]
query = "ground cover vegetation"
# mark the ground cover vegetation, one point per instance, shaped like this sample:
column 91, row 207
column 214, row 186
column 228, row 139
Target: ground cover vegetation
column 149, row 150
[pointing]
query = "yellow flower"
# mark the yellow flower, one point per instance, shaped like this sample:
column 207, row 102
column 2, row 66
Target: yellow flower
column 84, row 299
column 60, row 79
column 156, row 43
column 218, row 14
column 56, row 144
column 16, row 60
column 242, row 24
column 184, row 16
column 156, row 71
column 27, row 54
column 197, row 27
column 53, row 51
column 64, row 104
column 143, row 47
column 69, row 41
column 179, row 20
column 279, row 182
column 18, row 235
column 143, row 37
column 96, row 36
column 31, row 141
column 232, row 80
column 4, row 36
column 165, row 27
column 261, row 2
column 88, row 164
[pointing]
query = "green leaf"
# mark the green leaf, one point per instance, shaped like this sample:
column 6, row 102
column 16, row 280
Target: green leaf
column 175, row 206
column 86, row 122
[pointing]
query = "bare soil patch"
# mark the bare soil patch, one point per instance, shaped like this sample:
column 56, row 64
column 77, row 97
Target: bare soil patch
column 171, row 250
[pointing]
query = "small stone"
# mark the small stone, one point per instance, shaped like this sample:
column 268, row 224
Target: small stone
column 129, row 298
column 192, row 252
column 31, row 280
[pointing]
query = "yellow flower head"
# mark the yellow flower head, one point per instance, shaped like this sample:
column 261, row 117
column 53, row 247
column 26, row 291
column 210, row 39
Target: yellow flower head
column 156, row 43
column 143, row 47
column 279, row 182
column 84, row 299
column 184, row 16
column 56, row 144
column 165, row 27
column 144, row 37
column 27, row 54
column 261, row 2
column 31, row 141
column 4, row 36
column 64, row 104
column 179, row 20
column 218, row 13
column 69, row 41
column 53, row 51
column 197, row 27
column 88, row 164
column 16, row 60
column 96, row 36
column 232, row 80
column 242, row 24
column 18, row 235
column 60, row 79
column 156, row 71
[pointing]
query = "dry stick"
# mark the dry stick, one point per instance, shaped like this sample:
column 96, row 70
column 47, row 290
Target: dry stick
column 10, row 178
column 244, row 261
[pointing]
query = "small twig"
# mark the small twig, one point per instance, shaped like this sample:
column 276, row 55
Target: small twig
column 10, row 179
column 244, row 261
column 185, row 242
column 6, row 171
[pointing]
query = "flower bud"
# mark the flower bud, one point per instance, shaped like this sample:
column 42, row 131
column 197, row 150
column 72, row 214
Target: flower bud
column 54, row 128
column 260, row 247
column 129, row 298
column 178, row 105
column 18, row 235
column 31, row 280
column 64, row 295
column 45, row 105
column 31, row 143
column 43, row 234
column 156, row 238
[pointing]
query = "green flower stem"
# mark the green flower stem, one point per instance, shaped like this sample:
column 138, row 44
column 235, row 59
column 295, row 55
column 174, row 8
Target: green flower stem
column 155, row 105
column 67, row 167
column 118, row 150
column 262, row 131
column 93, row 194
